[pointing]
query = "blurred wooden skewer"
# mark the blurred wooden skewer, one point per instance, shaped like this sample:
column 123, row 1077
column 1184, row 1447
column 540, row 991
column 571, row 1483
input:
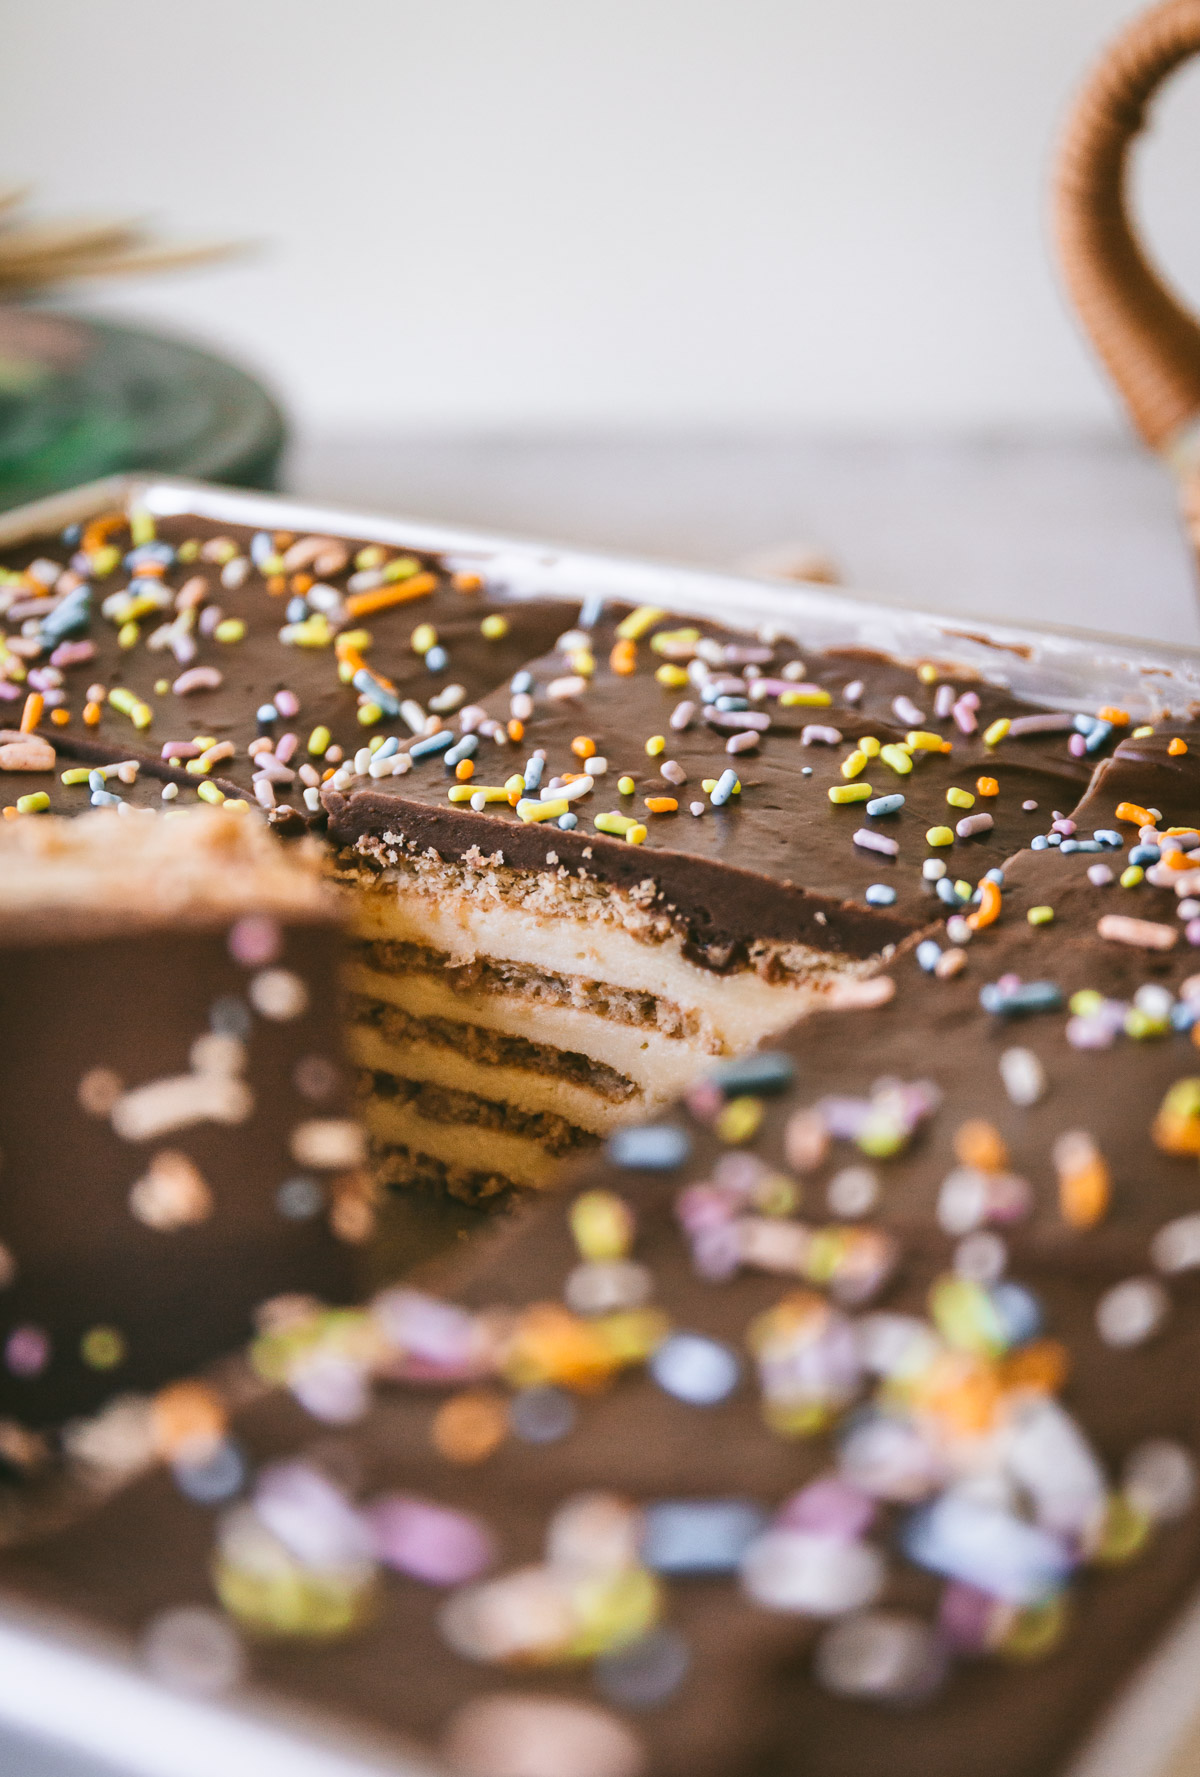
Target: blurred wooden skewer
column 42, row 255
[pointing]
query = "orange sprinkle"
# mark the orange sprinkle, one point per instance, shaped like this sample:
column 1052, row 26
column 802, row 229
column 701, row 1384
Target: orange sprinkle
column 91, row 714
column 302, row 583
column 467, row 583
column 151, row 570
column 100, row 530
column 12, row 813
column 623, row 658
column 60, row 717
column 981, row 1145
column 186, row 1417
column 1131, row 811
column 514, row 729
column 987, row 786
column 1177, row 746
column 583, row 747
column 31, row 715
column 469, row 1426
column 1083, row 1195
column 1042, row 1366
column 661, row 804
column 382, row 598
column 988, row 911
column 276, row 584
column 464, row 769
column 1110, row 713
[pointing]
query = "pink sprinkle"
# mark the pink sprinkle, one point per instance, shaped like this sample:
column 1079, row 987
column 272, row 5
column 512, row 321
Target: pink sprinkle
column 197, row 678
column 286, row 745
column 1029, row 807
column 853, row 691
column 681, row 715
column 943, row 702
column 974, row 823
column 907, row 711
column 964, row 715
column 470, row 718
column 870, row 841
column 210, row 616
column 255, row 941
column 1191, row 931
column 180, row 749
column 743, row 743
column 1064, row 826
column 819, row 734
column 72, row 653
column 27, row 1352
column 1077, row 746
column 287, row 703
column 1143, row 934
column 1099, row 875
column 427, row 1541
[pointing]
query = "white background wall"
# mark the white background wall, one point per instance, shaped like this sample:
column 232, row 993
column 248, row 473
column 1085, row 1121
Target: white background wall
column 527, row 214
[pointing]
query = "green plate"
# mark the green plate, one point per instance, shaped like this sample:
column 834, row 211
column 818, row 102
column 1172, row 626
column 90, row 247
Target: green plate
column 80, row 399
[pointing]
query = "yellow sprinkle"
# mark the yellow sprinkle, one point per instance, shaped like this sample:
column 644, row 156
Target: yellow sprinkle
column 141, row 527
column 403, row 567
column 494, row 627
column 230, row 629
column 739, row 1119
column 850, row 792
column 939, row 836
column 1131, row 877
column 898, row 757
column 994, row 733
column 923, row 740
column 655, row 745
column 853, row 763
column 1144, row 732
column 963, row 889
column 627, row 786
column 707, row 784
column 514, row 785
column 359, row 640
column 870, row 746
column 529, row 810
column 319, row 740
column 673, row 641
column 672, row 676
column 636, row 834
column 369, row 714
column 102, row 1348
column 634, row 627
column 619, row 824
column 123, row 699
column 815, row 698
column 161, row 687
column 489, row 792
column 583, row 662
column 960, row 798
column 208, row 791
column 36, row 803
column 1040, row 916
column 78, row 774
column 927, row 672
column 424, row 637
column 127, row 635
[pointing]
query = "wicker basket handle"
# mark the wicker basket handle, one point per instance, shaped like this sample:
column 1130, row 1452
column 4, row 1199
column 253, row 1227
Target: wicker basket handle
column 1148, row 341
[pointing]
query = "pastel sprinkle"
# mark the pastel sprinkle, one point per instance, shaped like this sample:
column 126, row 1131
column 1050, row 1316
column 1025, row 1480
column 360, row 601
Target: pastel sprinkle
column 938, row 836
column 841, row 793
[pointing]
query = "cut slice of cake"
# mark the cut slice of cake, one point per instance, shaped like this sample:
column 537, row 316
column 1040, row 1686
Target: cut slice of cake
column 175, row 1119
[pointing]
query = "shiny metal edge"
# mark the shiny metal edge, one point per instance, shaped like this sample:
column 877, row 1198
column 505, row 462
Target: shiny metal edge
column 1056, row 667
column 1156, row 1710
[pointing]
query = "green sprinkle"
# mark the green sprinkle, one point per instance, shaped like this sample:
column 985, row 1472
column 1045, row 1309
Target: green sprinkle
column 1132, row 876
column 1040, row 916
column 37, row 803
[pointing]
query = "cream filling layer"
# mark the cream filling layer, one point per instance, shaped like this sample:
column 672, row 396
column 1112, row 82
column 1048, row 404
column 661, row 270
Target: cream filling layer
column 661, row 1067
column 515, row 1158
column 434, row 1063
column 734, row 1011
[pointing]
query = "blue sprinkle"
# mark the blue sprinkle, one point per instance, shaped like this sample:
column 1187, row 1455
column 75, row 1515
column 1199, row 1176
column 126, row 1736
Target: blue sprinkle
column 1145, row 854
column 995, row 874
column 1096, row 739
column 1108, row 837
column 879, row 894
column 1055, row 839
column 71, row 535
column 262, row 547
column 928, row 953
column 764, row 1070
column 590, row 612
column 105, row 799
column 369, row 685
column 732, row 703
column 1086, row 724
column 436, row 743
column 437, row 659
column 297, row 610
column 649, row 1147
column 390, row 746
column 568, row 821
column 155, row 551
column 533, row 773
column 885, row 805
column 521, row 681
column 947, row 892
column 1018, row 1310
column 266, row 712
column 724, row 789
column 1039, row 842
column 96, row 780
column 987, row 1547
column 694, row 1369
column 71, row 618
column 806, row 771
column 1070, row 845
column 1016, row 1002
column 699, row 1535
column 466, row 748
column 230, row 1017
column 1184, row 1015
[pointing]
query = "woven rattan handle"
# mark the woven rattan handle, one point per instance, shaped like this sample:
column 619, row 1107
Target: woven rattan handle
column 1150, row 344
